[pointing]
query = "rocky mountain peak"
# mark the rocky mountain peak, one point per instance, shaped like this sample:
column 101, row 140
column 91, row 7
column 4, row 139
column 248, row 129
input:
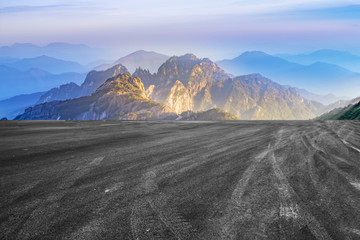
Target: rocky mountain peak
column 94, row 79
column 141, row 72
column 185, row 67
column 123, row 84
column 188, row 56
column 118, row 69
column 145, row 75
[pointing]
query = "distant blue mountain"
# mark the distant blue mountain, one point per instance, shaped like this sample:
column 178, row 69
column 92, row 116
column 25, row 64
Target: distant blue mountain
column 323, row 99
column 72, row 52
column 320, row 78
column 8, row 60
column 14, row 106
column 14, row 82
column 49, row 64
column 341, row 58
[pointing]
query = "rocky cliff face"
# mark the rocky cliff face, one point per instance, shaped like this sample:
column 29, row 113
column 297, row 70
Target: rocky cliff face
column 255, row 97
column 194, row 74
column 122, row 97
column 92, row 81
column 179, row 98
column 146, row 77
column 188, row 83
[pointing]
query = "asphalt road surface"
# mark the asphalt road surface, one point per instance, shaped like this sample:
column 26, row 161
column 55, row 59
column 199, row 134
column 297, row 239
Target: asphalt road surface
column 180, row 180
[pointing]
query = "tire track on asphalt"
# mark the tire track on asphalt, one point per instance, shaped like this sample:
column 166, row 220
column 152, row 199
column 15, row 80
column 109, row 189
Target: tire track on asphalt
column 200, row 155
column 39, row 221
column 291, row 210
column 350, row 145
column 167, row 218
column 229, row 221
column 18, row 192
column 242, row 184
column 97, row 225
column 186, row 163
column 352, row 180
column 346, row 137
column 294, row 211
column 313, row 144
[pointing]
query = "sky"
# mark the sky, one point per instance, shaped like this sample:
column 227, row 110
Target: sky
column 207, row 28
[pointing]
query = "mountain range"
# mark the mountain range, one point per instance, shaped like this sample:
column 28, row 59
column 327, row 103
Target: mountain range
column 14, row 82
column 181, row 84
column 122, row 97
column 72, row 52
column 341, row 58
column 326, row 99
column 317, row 77
column 186, row 84
column 49, row 64
column 14, row 106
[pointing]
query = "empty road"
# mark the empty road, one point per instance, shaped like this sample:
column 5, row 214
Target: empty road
column 180, row 180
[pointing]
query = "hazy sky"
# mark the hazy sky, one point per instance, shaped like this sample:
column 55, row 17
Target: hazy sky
column 215, row 29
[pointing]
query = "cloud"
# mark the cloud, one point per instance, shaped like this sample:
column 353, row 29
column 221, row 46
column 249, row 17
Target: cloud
column 350, row 12
column 178, row 8
column 24, row 8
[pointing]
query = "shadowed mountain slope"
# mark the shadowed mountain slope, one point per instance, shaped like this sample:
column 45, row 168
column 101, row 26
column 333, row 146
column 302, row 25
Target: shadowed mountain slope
column 14, row 106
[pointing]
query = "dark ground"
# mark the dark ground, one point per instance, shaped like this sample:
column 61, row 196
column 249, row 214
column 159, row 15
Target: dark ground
column 179, row 180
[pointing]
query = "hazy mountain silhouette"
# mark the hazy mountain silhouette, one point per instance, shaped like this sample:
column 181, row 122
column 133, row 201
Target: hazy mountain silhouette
column 14, row 82
column 341, row 58
column 49, row 64
column 144, row 59
column 323, row 99
column 72, row 52
column 14, row 106
column 319, row 77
